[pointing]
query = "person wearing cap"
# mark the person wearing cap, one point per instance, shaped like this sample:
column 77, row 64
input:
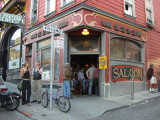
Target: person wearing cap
column 66, row 80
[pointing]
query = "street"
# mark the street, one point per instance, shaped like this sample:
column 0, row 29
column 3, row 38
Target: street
column 146, row 110
column 12, row 115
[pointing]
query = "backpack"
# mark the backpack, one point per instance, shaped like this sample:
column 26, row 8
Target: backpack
column 36, row 75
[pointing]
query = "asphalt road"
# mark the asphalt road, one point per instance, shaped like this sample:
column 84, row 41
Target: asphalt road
column 12, row 115
column 147, row 110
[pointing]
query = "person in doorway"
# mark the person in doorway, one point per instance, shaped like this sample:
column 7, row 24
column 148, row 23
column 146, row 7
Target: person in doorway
column 158, row 71
column 90, row 74
column 66, row 81
column 96, row 76
column 81, row 78
column 149, row 76
column 37, row 83
column 25, row 73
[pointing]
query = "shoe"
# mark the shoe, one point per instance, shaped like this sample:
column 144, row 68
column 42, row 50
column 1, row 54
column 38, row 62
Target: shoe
column 39, row 102
column 28, row 104
column 33, row 101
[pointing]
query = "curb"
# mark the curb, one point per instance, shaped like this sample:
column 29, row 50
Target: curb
column 126, row 106
column 25, row 113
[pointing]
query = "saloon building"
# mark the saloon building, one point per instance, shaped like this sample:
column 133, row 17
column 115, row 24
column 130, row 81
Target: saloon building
column 126, row 32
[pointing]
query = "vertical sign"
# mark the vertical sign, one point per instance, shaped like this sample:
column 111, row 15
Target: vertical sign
column 102, row 62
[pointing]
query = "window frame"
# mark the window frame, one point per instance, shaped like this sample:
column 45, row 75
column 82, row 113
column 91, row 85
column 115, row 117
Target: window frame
column 66, row 4
column 46, row 6
column 125, row 49
column 133, row 8
column 151, row 11
column 31, row 12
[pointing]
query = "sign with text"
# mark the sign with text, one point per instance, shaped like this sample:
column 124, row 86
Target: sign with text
column 102, row 62
column 51, row 28
column 10, row 18
column 125, row 73
column 58, row 42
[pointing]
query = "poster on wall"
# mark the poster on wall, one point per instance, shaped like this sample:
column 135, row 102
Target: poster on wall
column 14, row 64
column 125, row 73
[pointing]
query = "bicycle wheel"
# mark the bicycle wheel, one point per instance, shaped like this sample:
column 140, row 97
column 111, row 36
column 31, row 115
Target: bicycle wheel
column 45, row 99
column 64, row 104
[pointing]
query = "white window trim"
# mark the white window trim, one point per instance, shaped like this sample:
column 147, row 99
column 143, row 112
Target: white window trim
column 62, row 4
column 133, row 5
column 152, row 15
column 46, row 8
column 31, row 7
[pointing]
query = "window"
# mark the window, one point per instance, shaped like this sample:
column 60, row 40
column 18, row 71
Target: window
column 14, row 50
column 50, row 6
column 34, row 11
column 129, row 7
column 44, row 57
column 65, row 2
column 125, row 50
column 149, row 12
column 84, row 44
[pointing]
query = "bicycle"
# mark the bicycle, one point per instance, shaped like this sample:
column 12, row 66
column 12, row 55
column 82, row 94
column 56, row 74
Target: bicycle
column 63, row 103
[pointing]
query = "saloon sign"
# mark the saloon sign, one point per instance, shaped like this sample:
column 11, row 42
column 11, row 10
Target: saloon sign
column 125, row 72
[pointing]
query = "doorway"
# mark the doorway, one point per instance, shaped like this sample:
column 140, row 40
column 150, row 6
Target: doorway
column 83, row 61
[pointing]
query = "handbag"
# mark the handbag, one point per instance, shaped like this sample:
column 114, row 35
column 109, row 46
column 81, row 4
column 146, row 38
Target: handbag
column 19, row 85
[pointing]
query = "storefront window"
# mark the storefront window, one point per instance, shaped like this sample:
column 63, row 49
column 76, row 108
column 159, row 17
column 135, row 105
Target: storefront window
column 14, row 54
column 125, row 50
column 118, row 49
column 43, row 56
column 84, row 44
column 46, row 59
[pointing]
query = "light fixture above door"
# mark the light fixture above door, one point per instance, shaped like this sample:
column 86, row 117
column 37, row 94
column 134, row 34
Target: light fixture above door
column 85, row 32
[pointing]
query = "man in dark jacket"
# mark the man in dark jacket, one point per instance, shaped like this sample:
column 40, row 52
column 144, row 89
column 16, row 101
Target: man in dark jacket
column 149, row 75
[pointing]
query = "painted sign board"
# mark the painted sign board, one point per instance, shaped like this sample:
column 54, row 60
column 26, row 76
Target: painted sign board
column 125, row 73
column 10, row 18
column 102, row 62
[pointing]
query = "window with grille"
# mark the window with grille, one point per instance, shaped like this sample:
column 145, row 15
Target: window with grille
column 149, row 12
column 129, row 7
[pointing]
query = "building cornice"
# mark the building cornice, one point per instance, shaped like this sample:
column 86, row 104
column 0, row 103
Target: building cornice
column 91, row 8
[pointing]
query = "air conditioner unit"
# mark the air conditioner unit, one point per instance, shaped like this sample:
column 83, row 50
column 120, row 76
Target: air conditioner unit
column 149, row 23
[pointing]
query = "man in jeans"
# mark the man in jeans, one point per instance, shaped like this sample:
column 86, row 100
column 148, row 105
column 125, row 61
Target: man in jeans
column 66, row 81
column 90, row 75
column 37, row 83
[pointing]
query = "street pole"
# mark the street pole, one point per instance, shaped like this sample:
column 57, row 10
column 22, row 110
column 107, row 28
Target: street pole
column 132, row 88
column 52, row 68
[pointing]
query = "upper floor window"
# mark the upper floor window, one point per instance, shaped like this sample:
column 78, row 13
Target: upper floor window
column 50, row 6
column 149, row 12
column 34, row 10
column 129, row 7
column 65, row 2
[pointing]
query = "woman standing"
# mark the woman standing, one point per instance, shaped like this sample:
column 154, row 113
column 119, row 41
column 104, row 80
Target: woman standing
column 26, row 85
column 149, row 76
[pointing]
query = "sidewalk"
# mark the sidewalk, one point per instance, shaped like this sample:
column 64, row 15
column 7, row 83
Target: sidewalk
column 82, row 107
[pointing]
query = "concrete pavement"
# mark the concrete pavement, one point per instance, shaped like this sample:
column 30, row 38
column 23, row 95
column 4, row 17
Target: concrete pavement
column 82, row 107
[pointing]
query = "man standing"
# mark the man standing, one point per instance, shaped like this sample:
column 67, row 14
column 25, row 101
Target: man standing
column 149, row 76
column 96, row 76
column 159, row 79
column 66, row 81
column 90, row 75
column 37, row 83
